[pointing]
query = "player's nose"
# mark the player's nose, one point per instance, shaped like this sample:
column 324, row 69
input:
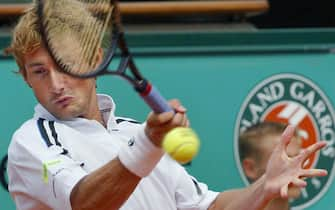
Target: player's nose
column 57, row 81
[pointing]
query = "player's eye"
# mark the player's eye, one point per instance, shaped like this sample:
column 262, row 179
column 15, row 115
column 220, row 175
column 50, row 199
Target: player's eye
column 39, row 71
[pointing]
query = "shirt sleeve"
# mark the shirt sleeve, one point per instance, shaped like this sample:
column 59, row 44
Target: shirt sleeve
column 40, row 175
column 192, row 194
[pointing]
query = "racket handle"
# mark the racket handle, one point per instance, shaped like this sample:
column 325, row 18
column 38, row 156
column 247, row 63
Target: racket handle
column 154, row 99
column 179, row 137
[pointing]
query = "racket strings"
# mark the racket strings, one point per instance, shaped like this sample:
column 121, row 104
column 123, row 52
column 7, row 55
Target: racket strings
column 94, row 33
column 59, row 28
column 75, row 33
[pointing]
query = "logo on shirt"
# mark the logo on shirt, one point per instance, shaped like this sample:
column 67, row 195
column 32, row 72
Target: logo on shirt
column 131, row 142
column 294, row 99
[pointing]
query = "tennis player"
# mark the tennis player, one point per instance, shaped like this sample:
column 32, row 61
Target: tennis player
column 74, row 153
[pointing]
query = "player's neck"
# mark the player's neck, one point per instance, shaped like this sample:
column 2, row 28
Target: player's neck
column 98, row 117
column 94, row 113
column 278, row 204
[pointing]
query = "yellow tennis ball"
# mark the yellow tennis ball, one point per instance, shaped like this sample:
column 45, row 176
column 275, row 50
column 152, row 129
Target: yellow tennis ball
column 182, row 144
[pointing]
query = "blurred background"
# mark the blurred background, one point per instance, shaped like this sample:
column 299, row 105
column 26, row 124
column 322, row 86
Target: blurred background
column 217, row 57
column 280, row 13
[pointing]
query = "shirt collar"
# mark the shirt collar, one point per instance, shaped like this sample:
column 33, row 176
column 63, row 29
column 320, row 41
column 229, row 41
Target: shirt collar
column 106, row 107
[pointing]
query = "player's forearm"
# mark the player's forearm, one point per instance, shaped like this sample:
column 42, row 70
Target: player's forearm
column 253, row 197
column 106, row 188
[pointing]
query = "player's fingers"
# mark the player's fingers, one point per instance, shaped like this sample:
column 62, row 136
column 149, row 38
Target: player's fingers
column 314, row 172
column 174, row 103
column 299, row 182
column 180, row 109
column 157, row 130
column 287, row 136
column 284, row 191
column 310, row 150
column 179, row 119
column 185, row 121
column 188, row 124
column 306, row 163
column 177, row 106
column 155, row 119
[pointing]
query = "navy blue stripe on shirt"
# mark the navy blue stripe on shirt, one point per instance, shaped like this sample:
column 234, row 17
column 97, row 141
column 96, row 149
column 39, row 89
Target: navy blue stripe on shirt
column 43, row 132
column 197, row 186
column 45, row 137
column 119, row 120
column 55, row 136
column 53, row 132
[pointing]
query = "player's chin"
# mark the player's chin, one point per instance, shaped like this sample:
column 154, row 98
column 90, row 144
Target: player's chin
column 66, row 113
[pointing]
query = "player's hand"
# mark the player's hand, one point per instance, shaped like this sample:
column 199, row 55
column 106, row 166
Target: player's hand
column 158, row 124
column 283, row 171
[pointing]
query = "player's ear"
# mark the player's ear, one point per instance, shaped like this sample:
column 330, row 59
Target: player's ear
column 250, row 168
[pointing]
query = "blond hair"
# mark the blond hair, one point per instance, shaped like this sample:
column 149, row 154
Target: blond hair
column 250, row 139
column 69, row 23
column 26, row 37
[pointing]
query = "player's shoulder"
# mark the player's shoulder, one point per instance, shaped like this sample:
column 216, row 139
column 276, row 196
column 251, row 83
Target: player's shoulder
column 21, row 139
column 32, row 125
column 31, row 133
column 27, row 128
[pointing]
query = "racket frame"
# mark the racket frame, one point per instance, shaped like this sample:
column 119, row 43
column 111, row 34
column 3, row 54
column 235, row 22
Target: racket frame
column 146, row 90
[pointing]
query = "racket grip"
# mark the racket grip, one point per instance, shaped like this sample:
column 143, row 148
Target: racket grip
column 155, row 100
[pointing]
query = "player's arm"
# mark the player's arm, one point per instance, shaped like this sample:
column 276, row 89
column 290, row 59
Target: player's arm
column 251, row 198
column 281, row 172
column 106, row 188
column 111, row 185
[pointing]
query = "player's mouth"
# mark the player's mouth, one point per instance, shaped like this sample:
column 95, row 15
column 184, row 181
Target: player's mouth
column 63, row 101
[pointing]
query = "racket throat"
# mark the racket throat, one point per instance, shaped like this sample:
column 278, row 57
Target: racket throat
column 143, row 87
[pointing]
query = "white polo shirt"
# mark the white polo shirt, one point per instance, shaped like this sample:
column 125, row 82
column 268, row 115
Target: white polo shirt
column 47, row 157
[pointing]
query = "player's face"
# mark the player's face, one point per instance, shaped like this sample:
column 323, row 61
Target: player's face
column 64, row 96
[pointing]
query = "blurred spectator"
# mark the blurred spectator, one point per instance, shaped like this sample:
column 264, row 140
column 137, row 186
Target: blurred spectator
column 255, row 147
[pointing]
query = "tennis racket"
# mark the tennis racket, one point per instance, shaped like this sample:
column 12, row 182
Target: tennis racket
column 75, row 31
column 74, row 37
